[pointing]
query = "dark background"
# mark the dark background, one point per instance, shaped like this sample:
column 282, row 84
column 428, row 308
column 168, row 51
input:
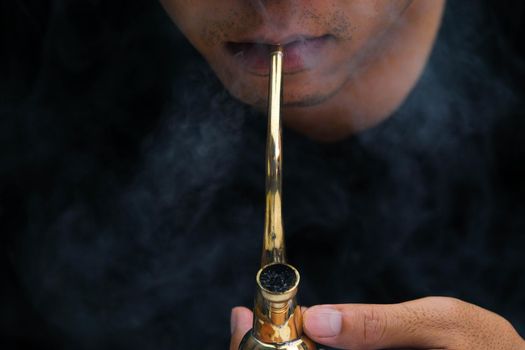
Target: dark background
column 131, row 185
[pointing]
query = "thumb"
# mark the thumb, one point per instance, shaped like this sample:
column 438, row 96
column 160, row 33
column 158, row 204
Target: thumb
column 415, row 324
column 241, row 323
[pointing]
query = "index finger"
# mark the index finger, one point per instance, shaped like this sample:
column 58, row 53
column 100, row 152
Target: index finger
column 423, row 323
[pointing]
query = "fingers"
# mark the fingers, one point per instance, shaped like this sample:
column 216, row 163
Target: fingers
column 428, row 323
column 424, row 323
column 241, row 322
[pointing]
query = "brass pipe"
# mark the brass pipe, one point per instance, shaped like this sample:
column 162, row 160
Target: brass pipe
column 273, row 244
column 277, row 321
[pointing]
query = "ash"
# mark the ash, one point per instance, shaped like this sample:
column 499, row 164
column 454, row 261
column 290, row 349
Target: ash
column 277, row 278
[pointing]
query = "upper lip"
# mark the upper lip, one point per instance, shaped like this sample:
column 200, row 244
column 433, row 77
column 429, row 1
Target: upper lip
column 274, row 39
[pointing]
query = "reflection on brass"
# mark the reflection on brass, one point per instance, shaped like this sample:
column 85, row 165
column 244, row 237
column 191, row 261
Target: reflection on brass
column 277, row 322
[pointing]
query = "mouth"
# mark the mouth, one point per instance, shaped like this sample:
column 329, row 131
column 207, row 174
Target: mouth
column 300, row 53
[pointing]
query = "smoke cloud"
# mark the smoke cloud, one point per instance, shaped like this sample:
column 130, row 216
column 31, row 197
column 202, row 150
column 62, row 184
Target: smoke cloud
column 132, row 188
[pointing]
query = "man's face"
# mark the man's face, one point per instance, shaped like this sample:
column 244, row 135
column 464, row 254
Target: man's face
column 325, row 42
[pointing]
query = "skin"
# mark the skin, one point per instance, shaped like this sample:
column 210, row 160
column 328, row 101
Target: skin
column 375, row 46
column 376, row 51
column 428, row 323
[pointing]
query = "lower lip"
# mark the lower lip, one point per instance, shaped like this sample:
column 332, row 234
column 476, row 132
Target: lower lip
column 298, row 55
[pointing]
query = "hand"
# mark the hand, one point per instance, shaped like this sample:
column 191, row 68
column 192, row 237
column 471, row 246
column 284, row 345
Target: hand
column 241, row 322
column 428, row 323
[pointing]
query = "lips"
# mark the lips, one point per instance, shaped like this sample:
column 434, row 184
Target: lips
column 300, row 53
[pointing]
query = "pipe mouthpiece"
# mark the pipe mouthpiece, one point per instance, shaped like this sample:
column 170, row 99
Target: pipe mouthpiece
column 277, row 49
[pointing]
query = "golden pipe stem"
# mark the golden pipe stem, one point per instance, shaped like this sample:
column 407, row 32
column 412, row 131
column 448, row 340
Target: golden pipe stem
column 273, row 244
column 277, row 319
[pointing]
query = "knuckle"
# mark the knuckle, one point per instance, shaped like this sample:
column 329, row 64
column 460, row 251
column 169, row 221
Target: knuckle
column 374, row 327
column 452, row 308
column 451, row 315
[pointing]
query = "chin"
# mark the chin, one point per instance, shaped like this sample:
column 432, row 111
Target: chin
column 251, row 91
column 305, row 100
column 299, row 90
column 310, row 89
column 291, row 100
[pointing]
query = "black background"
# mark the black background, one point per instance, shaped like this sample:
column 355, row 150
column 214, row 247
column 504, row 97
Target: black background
column 85, row 85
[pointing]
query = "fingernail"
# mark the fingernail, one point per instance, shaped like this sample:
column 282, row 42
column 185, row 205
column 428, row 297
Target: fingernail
column 323, row 321
column 233, row 321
